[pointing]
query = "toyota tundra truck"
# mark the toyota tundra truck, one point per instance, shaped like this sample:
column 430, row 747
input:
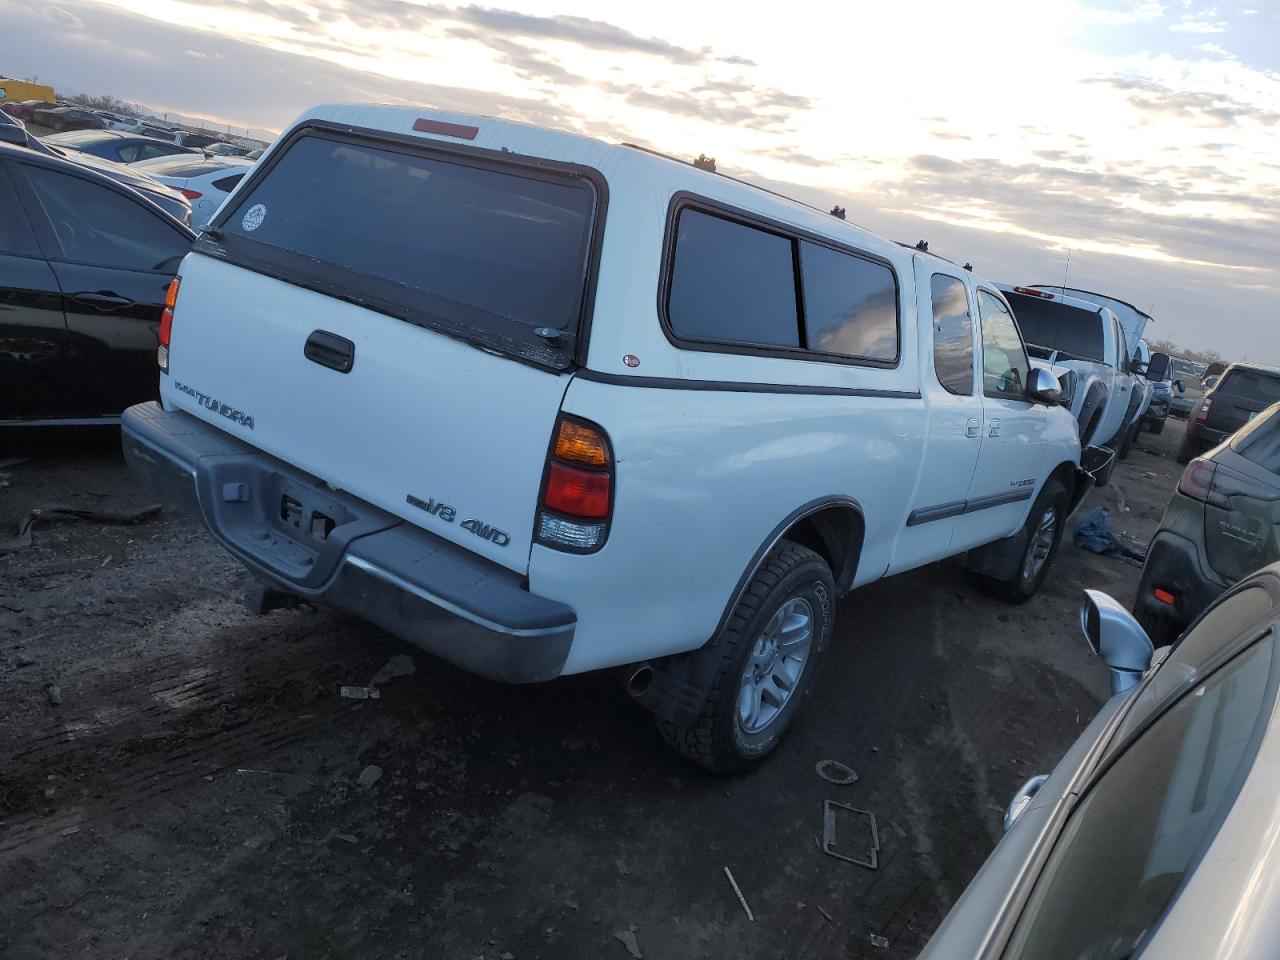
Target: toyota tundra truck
column 541, row 405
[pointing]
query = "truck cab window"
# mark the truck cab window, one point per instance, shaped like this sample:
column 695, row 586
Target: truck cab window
column 1004, row 360
column 952, row 334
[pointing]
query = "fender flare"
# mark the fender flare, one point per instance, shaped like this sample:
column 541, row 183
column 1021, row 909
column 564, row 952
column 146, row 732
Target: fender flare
column 843, row 579
column 1095, row 401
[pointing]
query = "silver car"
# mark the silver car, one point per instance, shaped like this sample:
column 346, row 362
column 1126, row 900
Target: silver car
column 1158, row 834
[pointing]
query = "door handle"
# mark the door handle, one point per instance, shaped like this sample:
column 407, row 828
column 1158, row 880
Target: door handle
column 330, row 350
column 995, row 427
column 103, row 300
column 974, row 428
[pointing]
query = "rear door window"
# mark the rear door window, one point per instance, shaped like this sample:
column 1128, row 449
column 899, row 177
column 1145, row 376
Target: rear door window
column 486, row 250
column 952, row 334
column 227, row 184
column 732, row 283
column 1262, row 443
column 95, row 225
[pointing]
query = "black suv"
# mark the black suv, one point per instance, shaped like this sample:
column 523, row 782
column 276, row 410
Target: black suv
column 1244, row 391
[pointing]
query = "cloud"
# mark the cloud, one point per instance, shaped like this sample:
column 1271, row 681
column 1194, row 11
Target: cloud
column 1204, row 109
column 727, row 102
column 949, row 135
column 1199, row 23
column 1135, row 207
column 63, row 16
column 491, row 22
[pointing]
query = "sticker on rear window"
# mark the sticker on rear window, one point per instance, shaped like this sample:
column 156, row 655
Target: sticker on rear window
column 253, row 217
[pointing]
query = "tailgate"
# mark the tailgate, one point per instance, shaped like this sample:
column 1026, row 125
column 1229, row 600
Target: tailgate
column 1240, row 397
column 398, row 319
column 424, row 426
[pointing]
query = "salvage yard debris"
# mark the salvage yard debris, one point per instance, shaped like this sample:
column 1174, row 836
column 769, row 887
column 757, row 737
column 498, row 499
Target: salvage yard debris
column 22, row 536
column 829, row 809
column 741, row 899
column 628, row 939
column 833, row 771
column 1095, row 534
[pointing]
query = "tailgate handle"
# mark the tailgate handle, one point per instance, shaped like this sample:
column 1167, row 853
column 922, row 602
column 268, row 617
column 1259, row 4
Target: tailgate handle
column 330, row 350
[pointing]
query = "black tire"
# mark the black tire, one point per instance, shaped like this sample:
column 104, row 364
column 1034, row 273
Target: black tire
column 1157, row 427
column 1024, row 584
column 1187, row 450
column 1126, row 443
column 717, row 739
column 1162, row 631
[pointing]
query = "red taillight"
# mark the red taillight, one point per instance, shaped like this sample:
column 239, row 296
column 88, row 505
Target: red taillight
column 1197, row 479
column 1164, row 596
column 578, row 493
column 1028, row 292
column 191, row 194
column 577, row 500
column 166, row 324
column 1203, row 414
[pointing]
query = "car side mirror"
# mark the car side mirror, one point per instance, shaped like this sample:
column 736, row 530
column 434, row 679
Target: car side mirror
column 1180, row 386
column 1137, row 366
column 1044, row 386
column 1117, row 637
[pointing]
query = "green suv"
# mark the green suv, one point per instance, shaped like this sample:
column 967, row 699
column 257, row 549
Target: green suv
column 1222, row 524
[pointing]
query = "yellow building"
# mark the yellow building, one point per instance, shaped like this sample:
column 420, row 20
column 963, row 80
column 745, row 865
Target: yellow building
column 11, row 89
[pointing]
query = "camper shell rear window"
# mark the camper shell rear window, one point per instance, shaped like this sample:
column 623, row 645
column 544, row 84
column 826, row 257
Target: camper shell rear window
column 494, row 250
column 1074, row 332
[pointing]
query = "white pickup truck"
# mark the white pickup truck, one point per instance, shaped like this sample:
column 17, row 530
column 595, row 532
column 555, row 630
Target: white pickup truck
column 543, row 405
column 1086, row 346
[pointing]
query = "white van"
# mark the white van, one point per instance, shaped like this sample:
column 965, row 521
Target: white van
column 541, row 405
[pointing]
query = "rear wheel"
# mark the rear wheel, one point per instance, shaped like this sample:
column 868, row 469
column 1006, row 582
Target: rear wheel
column 1043, row 532
column 768, row 657
column 1126, row 444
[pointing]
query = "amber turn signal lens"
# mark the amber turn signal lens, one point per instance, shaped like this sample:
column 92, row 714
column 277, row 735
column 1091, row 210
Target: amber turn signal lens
column 579, row 443
column 171, row 295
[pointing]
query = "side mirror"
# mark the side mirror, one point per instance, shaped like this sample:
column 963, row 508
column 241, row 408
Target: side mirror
column 1137, row 366
column 1044, row 386
column 1118, row 638
column 1178, row 385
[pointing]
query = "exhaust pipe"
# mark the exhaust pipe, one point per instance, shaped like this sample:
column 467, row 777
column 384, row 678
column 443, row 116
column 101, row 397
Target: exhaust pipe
column 639, row 678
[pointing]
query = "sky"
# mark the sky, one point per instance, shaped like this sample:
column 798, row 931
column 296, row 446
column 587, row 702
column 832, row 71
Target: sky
column 1132, row 147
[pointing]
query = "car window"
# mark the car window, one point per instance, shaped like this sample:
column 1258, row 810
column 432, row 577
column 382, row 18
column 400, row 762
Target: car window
column 1250, row 385
column 952, row 334
column 1123, row 359
column 227, row 184
column 1123, row 854
column 130, row 152
column 94, row 224
column 1261, row 444
column 732, row 283
column 14, row 234
column 484, row 250
column 1004, row 361
column 1072, row 331
column 149, row 151
column 850, row 304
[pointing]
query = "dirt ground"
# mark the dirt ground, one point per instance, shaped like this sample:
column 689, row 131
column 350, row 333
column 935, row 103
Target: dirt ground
column 182, row 779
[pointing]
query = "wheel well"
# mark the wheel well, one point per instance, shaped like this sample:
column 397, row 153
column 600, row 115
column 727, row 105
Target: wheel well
column 835, row 534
